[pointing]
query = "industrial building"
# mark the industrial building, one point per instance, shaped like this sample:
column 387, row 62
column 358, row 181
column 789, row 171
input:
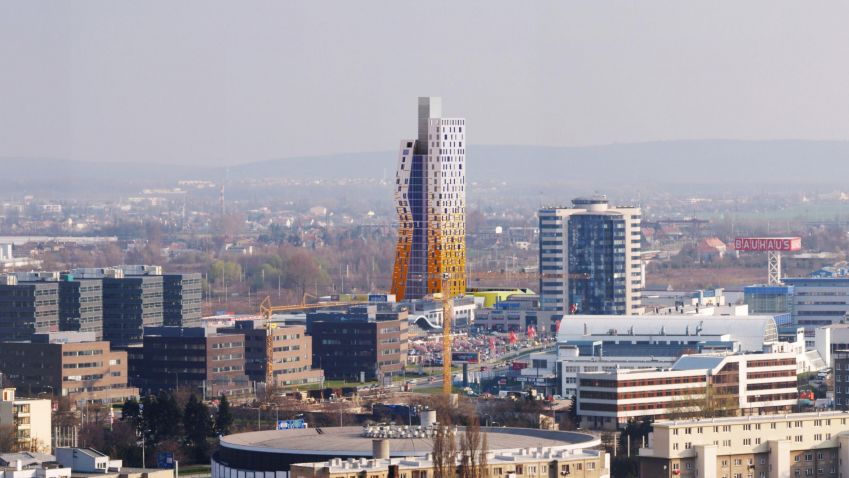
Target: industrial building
column 796, row 444
column 362, row 342
column 589, row 257
column 430, row 200
column 68, row 364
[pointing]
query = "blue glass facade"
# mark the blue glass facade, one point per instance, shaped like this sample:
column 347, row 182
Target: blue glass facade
column 417, row 272
column 597, row 264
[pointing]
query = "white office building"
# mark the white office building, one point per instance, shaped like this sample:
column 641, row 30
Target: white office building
column 589, row 258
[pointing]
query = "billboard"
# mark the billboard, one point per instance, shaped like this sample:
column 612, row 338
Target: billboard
column 465, row 357
column 165, row 459
column 290, row 424
column 782, row 244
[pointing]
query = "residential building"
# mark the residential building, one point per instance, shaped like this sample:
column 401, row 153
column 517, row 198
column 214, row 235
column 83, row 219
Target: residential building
column 430, row 200
column 204, row 361
column 291, row 358
column 746, row 384
column 28, row 305
column 30, row 419
column 590, row 258
column 527, row 463
column 181, row 299
column 359, row 342
column 68, row 364
column 765, row 446
column 81, row 305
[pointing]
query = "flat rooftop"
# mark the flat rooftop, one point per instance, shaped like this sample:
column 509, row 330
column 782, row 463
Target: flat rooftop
column 349, row 441
column 753, row 419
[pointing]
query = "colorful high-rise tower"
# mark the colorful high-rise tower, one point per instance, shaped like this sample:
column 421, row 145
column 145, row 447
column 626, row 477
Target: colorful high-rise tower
column 430, row 198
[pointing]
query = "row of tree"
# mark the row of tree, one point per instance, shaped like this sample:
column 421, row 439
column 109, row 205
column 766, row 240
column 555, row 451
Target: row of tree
column 162, row 424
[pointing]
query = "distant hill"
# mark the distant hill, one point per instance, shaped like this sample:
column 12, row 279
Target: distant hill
column 702, row 162
column 696, row 161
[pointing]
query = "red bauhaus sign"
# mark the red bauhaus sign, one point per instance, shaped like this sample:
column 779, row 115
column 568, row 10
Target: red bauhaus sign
column 783, row 244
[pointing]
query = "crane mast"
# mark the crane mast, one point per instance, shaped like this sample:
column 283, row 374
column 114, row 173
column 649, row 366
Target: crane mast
column 447, row 319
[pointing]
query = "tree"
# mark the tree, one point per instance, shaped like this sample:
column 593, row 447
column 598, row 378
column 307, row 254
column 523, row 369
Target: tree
column 224, row 417
column 444, row 452
column 8, row 439
column 473, row 449
column 198, row 426
column 161, row 417
column 131, row 412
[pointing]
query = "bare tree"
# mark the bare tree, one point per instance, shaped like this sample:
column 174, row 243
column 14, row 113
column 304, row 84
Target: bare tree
column 444, row 452
column 473, row 449
column 8, row 439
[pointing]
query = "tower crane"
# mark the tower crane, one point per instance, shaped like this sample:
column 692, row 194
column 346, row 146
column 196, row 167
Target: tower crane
column 447, row 319
column 266, row 310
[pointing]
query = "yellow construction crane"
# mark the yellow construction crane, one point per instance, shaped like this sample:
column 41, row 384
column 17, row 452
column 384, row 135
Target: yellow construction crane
column 266, row 310
column 447, row 319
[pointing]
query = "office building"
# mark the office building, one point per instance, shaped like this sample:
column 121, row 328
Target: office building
column 28, row 305
column 206, row 362
column 428, row 314
column 68, row 364
column 769, row 299
column 515, row 313
column 181, row 299
column 590, row 258
column 361, row 342
column 29, row 419
column 766, row 446
column 81, row 305
column 132, row 300
column 291, row 358
column 430, row 200
column 818, row 301
column 745, row 384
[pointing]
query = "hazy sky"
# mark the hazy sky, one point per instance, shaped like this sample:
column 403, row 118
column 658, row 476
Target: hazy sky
column 209, row 82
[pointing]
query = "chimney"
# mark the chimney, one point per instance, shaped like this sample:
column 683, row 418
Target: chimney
column 19, row 465
column 380, row 449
